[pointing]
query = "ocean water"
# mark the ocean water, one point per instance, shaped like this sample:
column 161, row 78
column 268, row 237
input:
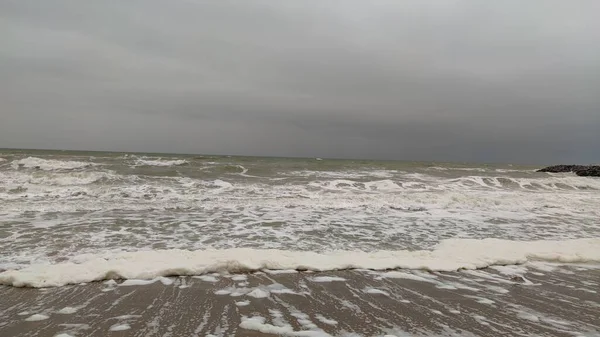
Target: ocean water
column 71, row 217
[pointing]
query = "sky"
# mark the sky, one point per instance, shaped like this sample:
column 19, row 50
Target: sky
column 442, row 80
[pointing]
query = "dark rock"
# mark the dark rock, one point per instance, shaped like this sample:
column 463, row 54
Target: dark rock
column 563, row 168
column 592, row 171
column 580, row 170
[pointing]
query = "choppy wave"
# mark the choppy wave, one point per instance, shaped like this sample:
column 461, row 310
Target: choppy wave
column 69, row 178
column 504, row 182
column 448, row 255
column 476, row 169
column 49, row 164
column 343, row 174
column 482, row 197
column 429, row 183
column 160, row 162
column 81, row 204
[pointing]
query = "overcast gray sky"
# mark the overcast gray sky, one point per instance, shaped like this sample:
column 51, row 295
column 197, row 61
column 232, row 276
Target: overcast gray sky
column 501, row 81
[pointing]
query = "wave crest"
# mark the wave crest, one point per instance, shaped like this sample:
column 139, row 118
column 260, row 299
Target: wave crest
column 49, row 164
column 448, row 255
column 160, row 162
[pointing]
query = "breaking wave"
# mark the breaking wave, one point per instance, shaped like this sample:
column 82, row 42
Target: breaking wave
column 49, row 164
column 160, row 162
column 448, row 255
column 56, row 179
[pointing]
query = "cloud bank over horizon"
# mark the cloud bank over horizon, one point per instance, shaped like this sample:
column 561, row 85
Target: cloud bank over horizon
column 412, row 80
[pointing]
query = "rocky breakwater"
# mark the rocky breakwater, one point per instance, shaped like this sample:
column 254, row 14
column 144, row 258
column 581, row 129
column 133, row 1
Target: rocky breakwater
column 580, row 170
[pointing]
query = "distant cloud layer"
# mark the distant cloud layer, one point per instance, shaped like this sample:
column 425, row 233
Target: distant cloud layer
column 506, row 81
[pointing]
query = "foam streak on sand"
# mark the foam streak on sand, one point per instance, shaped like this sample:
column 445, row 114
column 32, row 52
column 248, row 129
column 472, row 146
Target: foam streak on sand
column 36, row 317
column 448, row 255
column 557, row 305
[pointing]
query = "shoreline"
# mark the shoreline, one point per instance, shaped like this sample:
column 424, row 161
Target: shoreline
column 448, row 255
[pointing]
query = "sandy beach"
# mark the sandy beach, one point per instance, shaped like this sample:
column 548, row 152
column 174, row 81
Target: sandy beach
column 537, row 300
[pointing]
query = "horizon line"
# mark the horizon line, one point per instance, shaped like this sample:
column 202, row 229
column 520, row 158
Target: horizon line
column 274, row 156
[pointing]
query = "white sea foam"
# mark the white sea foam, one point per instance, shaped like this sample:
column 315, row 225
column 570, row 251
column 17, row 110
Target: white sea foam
column 207, row 278
column 343, row 174
column 49, row 164
column 324, row 279
column 258, row 293
column 142, row 282
column 376, row 291
column 67, row 310
column 36, row 317
column 449, row 255
column 257, row 323
column 119, row 327
column 326, row 320
column 159, row 162
column 239, row 278
column 222, row 292
column 528, row 316
column 52, row 181
column 438, row 168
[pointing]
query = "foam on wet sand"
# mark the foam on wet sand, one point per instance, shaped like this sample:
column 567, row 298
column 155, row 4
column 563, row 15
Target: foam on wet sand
column 364, row 304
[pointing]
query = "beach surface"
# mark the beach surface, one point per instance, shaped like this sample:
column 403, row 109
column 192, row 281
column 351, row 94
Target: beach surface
column 537, row 299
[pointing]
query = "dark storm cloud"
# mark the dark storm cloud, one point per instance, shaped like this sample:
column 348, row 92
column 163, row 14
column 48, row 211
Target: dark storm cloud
column 423, row 80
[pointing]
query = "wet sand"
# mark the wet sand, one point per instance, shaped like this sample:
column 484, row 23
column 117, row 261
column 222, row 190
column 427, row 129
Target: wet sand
column 545, row 300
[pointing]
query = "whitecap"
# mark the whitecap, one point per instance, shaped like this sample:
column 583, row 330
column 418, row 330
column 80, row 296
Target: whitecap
column 448, row 255
column 49, row 164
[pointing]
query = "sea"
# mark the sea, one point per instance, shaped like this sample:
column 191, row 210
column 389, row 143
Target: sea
column 69, row 217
